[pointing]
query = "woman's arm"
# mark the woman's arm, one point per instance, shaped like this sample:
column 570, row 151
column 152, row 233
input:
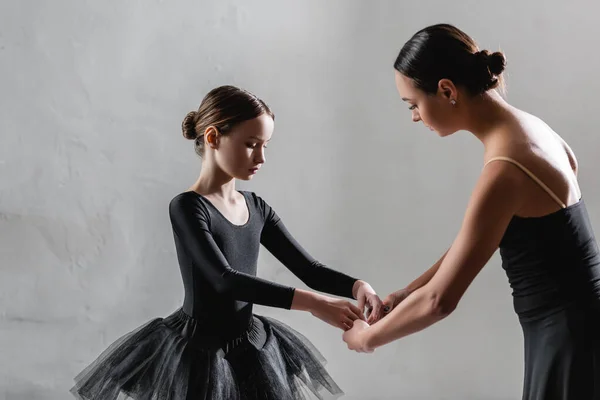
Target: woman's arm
column 395, row 298
column 426, row 277
column 494, row 202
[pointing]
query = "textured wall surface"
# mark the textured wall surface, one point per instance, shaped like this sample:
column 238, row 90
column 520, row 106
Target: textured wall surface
column 92, row 94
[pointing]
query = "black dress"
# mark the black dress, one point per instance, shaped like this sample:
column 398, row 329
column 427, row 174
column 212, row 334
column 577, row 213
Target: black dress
column 214, row 347
column 553, row 266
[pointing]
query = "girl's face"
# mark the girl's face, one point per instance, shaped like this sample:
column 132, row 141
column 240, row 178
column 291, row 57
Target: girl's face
column 435, row 111
column 241, row 152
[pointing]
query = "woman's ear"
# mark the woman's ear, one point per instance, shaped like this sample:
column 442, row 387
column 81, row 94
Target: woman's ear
column 448, row 91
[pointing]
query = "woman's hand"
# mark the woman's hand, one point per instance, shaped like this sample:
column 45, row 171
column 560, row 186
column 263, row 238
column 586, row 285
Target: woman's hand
column 393, row 299
column 355, row 337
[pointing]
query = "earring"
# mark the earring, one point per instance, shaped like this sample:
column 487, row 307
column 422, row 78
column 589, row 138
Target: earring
column 453, row 102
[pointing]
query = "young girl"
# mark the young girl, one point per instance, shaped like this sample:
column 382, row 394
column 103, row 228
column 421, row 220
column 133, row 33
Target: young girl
column 214, row 347
column 527, row 202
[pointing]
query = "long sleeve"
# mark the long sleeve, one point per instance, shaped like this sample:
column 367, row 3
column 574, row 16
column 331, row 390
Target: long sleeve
column 191, row 227
column 278, row 240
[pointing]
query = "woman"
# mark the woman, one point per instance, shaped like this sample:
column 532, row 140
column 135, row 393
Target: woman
column 214, row 347
column 526, row 202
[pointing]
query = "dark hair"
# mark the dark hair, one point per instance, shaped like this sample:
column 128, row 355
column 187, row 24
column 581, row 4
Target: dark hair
column 445, row 52
column 223, row 107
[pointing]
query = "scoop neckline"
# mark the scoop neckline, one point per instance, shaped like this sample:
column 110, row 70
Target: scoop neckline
column 221, row 214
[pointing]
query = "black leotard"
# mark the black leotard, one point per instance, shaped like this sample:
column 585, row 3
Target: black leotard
column 218, row 261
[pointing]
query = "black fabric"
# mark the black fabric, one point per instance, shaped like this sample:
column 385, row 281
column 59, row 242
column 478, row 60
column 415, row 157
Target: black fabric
column 553, row 266
column 215, row 347
column 180, row 358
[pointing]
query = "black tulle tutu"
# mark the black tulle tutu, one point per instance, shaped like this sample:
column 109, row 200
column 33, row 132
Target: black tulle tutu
column 174, row 359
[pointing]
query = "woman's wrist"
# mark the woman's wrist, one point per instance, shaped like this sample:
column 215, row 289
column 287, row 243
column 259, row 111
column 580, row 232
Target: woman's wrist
column 406, row 291
column 367, row 340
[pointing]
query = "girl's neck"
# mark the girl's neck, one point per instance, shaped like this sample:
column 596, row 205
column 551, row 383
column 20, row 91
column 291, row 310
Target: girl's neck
column 215, row 182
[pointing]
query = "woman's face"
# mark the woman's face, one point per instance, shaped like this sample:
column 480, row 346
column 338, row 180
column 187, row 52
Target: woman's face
column 435, row 110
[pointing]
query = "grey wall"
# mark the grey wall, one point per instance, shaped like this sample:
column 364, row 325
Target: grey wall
column 92, row 94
